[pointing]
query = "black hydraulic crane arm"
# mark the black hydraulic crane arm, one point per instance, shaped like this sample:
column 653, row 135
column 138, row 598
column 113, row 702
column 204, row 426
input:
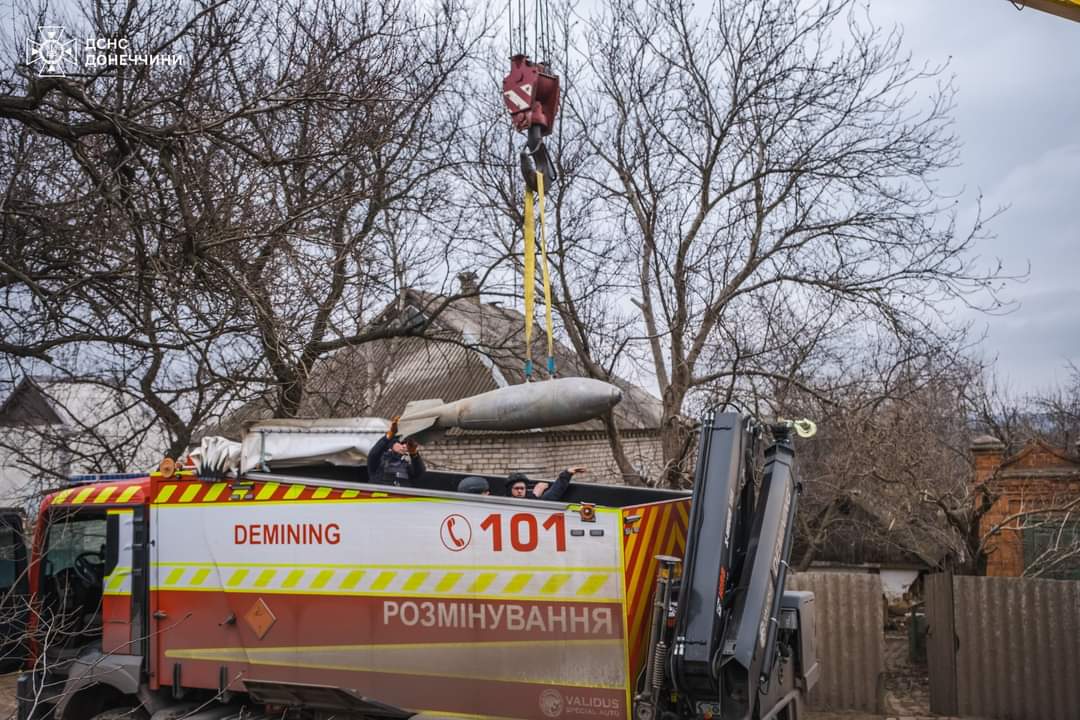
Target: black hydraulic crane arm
column 711, row 549
column 738, row 545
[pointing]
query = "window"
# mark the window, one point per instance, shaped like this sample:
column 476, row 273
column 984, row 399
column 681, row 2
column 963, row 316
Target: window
column 72, row 536
column 1052, row 548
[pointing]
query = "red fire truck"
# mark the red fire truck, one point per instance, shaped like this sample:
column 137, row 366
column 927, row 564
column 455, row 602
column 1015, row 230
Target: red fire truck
column 309, row 593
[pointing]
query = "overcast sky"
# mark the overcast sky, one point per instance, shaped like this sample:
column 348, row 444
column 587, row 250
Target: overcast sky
column 1018, row 116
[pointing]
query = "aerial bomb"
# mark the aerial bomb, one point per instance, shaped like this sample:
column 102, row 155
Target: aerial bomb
column 550, row 403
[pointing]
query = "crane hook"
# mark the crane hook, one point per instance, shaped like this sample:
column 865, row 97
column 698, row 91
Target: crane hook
column 534, row 158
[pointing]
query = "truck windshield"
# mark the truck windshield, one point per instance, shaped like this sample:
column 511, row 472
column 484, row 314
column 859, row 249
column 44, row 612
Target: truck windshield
column 72, row 536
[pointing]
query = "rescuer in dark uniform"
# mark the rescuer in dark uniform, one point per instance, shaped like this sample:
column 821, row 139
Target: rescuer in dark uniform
column 517, row 485
column 392, row 462
column 474, row 486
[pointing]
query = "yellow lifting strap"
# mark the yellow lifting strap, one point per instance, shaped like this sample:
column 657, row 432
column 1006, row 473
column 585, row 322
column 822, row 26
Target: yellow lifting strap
column 529, row 278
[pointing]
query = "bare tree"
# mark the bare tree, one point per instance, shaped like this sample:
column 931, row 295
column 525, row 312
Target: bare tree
column 889, row 472
column 892, row 472
column 193, row 233
column 772, row 185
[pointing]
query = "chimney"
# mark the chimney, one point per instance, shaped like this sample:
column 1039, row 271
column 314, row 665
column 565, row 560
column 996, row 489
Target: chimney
column 469, row 286
column 988, row 452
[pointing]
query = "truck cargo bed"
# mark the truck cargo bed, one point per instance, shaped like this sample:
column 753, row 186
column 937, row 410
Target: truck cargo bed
column 419, row 599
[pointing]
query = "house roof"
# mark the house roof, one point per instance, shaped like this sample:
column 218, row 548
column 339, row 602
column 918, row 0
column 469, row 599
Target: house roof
column 1039, row 457
column 28, row 404
column 75, row 402
column 883, row 533
column 472, row 347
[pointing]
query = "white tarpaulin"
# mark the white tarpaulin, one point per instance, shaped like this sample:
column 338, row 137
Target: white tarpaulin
column 288, row 443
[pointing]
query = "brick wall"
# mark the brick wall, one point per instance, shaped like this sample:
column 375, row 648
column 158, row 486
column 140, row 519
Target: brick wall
column 544, row 454
column 1036, row 478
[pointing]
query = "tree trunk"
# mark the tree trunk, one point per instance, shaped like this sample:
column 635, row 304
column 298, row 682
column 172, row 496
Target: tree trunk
column 676, row 440
column 630, row 475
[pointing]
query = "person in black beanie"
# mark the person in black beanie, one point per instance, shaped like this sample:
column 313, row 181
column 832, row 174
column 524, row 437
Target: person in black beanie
column 517, row 485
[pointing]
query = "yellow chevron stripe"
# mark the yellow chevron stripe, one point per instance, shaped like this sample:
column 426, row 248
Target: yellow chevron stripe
column 383, row 580
column 448, row 582
column 342, row 580
column 415, row 581
column 352, row 579
column 482, row 582
column 129, row 492
column 594, row 583
column 215, row 492
column 554, row 584
column 165, row 493
column 267, row 491
column 105, row 494
column 80, row 498
column 237, row 578
column 265, row 578
column 517, row 583
column 372, row 566
column 62, row 496
column 294, row 492
column 190, row 492
column 321, row 579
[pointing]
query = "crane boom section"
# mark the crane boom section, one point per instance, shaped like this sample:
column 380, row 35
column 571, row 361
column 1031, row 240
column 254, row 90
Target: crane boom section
column 1069, row 9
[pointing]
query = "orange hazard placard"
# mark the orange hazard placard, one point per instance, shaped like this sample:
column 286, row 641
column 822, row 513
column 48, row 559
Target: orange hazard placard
column 260, row 619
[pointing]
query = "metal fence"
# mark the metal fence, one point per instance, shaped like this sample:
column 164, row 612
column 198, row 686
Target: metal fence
column 850, row 639
column 1004, row 647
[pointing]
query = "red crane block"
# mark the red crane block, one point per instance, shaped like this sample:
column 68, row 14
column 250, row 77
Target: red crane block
column 531, row 94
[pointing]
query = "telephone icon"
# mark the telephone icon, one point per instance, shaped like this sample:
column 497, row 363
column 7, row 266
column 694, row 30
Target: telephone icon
column 456, row 533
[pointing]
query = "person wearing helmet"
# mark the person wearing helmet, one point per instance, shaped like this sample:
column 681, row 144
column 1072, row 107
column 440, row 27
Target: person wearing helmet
column 474, row 486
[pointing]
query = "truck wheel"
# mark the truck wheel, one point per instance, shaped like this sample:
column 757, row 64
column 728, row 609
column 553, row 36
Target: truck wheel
column 125, row 713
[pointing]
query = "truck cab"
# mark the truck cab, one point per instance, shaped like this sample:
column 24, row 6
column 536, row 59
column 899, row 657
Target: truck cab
column 85, row 621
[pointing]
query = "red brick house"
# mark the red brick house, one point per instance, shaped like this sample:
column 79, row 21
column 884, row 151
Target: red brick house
column 1033, row 526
